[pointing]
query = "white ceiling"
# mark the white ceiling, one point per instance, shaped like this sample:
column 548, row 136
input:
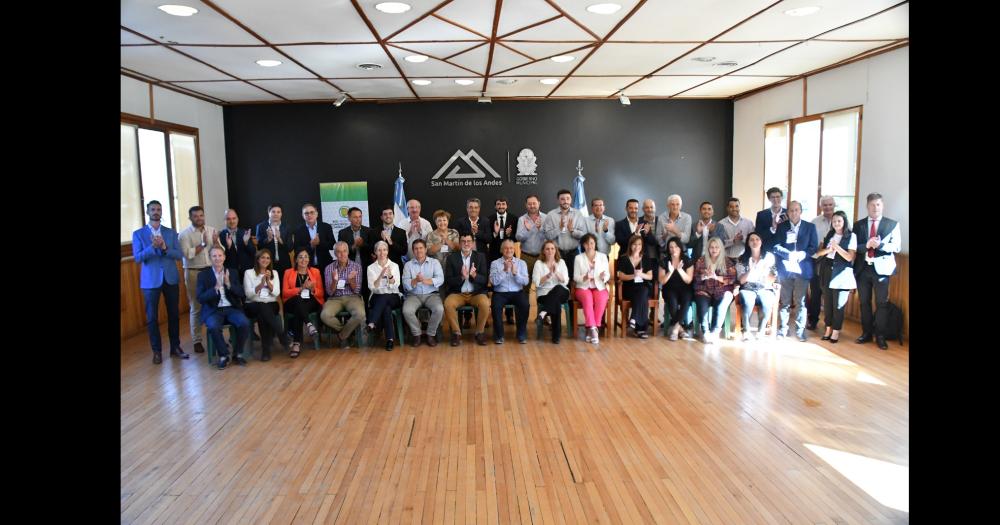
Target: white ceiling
column 647, row 52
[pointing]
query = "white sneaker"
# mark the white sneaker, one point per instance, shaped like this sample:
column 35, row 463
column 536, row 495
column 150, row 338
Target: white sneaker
column 588, row 336
column 746, row 336
column 594, row 338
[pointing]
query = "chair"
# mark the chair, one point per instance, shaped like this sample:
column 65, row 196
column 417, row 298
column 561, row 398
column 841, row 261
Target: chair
column 424, row 317
column 624, row 308
column 460, row 309
column 210, row 352
column 773, row 321
column 577, row 319
column 397, row 319
column 314, row 319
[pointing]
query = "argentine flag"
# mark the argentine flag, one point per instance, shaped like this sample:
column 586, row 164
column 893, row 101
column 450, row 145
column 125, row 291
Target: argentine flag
column 579, row 196
column 399, row 201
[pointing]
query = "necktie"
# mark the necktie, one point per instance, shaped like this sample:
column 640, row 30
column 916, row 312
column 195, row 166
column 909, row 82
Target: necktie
column 871, row 235
column 501, row 227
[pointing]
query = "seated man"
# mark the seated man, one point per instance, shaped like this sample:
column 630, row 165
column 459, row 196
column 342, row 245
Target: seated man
column 466, row 273
column 509, row 276
column 342, row 278
column 422, row 276
column 221, row 301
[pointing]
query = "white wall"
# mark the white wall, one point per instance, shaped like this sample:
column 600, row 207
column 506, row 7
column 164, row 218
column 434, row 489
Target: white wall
column 177, row 108
column 881, row 85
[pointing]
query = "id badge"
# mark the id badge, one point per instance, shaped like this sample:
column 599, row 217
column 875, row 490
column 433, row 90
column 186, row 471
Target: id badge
column 265, row 293
column 304, row 293
column 340, row 284
column 791, row 237
column 638, row 278
column 444, row 248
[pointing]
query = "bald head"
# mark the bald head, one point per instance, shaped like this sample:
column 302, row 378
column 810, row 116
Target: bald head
column 413, row 208
column 232, row 220
column 649, row 209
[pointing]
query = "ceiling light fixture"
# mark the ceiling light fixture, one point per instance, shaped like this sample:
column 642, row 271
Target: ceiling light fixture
column 268, row 63
column 703, row 59
column 368, row 66
column 340, row 100
column 604, row 9
column 802, row 11
column 507, row 81
column 563, row 58
column 549, row 81
column 421, row 82
column 728, row 63
column 624, row 100
column 177, row 10
column 416, row 59
column 393, row 7
column 464, row 81
column 483, row 99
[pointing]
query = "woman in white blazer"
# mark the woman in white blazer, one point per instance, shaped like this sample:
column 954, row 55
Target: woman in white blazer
column 591, row 274
column 551, row 278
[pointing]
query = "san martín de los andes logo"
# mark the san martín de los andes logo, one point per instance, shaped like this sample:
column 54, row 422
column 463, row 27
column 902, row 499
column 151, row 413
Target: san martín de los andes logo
column 466, row 169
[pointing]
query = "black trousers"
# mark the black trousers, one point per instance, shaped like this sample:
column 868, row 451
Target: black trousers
column 300, row 309
column 382, row 305
column 868, row 282
column 678, row 302
column 269, row 323
column 639, row 295
column 568, row 256
column 815, row 294
column 520, row 302
column 551, row 304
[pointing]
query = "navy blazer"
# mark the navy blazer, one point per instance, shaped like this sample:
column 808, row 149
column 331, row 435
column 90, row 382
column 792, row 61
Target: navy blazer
column 762, row 225
column 396, row 250
column 285, row 246
column 805, row 241
column 622, row 234
column 209, row 298
column 156, row 265
column 240, row 257
column 453, row 272
column 495, row 241
column 464, row 227
column 321, row 254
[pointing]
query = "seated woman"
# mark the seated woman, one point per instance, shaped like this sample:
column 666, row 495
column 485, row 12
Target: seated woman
column 443, row 240
column 591, row 273
column 756, row 273
column 261, row 288
column 714, row 278
column 675, row 277
column 551, row 278
column 383, row 281
column 836, row 273
column 302, row 291
column 636, row 273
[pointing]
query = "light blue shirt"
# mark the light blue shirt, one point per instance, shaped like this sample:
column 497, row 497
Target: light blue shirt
column 532, row 237
column 430, row 268
column 507, row 281
column 467, row 263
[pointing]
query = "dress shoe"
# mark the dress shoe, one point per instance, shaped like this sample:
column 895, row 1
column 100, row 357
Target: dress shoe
column 825, row 338
column 388, row 345
column 811, row 326
column 522, row 340
column 223, row 362
column 556, row 340
column 432, row 340
column 864, row 338
column 416, row 341
column 456, row 339
column 239, row 360
column 177, row 352
column 265, row 355
column 880, row 341
column 481, row 339
column 157, row 358
column 198, row 349
column 834, row 341
column 343, row 342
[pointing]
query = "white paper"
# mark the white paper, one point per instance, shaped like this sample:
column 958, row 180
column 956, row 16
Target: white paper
column 791, row 238
column 304, row 293
column 340, row 284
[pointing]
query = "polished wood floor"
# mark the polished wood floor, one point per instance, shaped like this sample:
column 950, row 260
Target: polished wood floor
column 629, row 431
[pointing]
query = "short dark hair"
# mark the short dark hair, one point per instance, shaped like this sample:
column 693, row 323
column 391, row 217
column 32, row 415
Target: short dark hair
column 466, row 234
column 588, row 237
column 732, row 199
column 704, row 203
column 774, row 189
column 537, row 198
column 389, row 207
column 500, row 199
column 152, row 202
column 630, row 201
column 193, row 209
column 595, row 199
column 310, row 204
column 421, row 241
column 564, row 190
column 354, row 209
column 873, row 196
column 274, row 205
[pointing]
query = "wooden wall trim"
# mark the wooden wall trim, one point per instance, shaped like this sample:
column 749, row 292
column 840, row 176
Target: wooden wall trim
column 899, row 293
column 133, row 307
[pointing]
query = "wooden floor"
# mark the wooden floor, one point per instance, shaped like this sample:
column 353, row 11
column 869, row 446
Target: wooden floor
column 628, row 432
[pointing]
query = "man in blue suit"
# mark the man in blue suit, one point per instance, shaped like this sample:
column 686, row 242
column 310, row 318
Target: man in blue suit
column 769, row 219
column 221, row 298
column 795, row 243
column 155, row 248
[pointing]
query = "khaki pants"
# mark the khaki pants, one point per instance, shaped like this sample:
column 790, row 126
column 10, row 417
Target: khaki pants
column 334, row 305
column 191, row 283
column 532, row 296
column 480, row 301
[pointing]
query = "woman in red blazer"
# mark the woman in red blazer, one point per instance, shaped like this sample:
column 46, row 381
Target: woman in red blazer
column 302, row 291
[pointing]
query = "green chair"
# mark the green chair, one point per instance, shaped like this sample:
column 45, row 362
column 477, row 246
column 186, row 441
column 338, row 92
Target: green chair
column 344, row 316
column 210, row 351
column 568, row 309
column 314, row 319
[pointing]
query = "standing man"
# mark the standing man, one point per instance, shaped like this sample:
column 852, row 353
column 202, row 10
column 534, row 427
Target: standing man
column 529, row 231
column 823, row 222
column 467, row 274
column 626, row 228
column 419, row 227
column 195, row 241
column 705, row 229
column 477, row 226
column 602, row 226
column 238, row 244
column 565, row 226
column 674, row 223
column 422, row 276
column 794, row 243
column 356, row 237
column 501, row 228
column 221, row 298
column 275, row 236
column 737, row 228
column 315, row 237
column 155, row 249
column 509, row 277
column 873, row 266
column 342, row 279
column 393, row 235
column 769, row 219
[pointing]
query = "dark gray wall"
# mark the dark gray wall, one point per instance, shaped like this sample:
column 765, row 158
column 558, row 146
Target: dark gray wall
column 280, row 153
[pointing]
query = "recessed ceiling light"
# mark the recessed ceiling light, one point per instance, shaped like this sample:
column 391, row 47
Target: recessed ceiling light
column 703, row 59
column 393, row 7
column 728, row 63
column 802, row 11
column 369, row 66
column 549, row 81
column 421, row 82
column 178, row 10
column 604, row 9
column 268, row 63
column 507, row 81
column 464, row 81
column 416, row 58
column 563, row 58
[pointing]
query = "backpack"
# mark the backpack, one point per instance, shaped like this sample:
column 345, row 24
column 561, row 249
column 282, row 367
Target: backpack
column 894, row 323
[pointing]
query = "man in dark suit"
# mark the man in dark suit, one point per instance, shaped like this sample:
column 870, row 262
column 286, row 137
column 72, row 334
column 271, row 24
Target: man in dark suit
column 625, row 228
column 879, row 239
column 156, row 250
column 276, row 237
column 393, row 235
column 466, row 273
column 238, row 245
column 315, row 236
column 768, row 219
column 356, row 237
column 795, row 243
column 475, row 225
column 221, row 298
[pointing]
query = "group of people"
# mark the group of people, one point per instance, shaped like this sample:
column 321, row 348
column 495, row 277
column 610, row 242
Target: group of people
column 234, row 274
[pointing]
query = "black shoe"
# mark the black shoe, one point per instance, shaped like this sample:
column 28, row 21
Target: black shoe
column 240, row 361
column 833, row 341
column 825, row 338
column 198, row 349
column 416, row 341
column 498, row 340
column 481, row 339
column 880, row 341
column 556, row 340
column 265, row 355
column 865, row 338
column 177, row 352
column 432, row 340
column 456, row 339
column 388, row 345
column 157, row 358
column 223, row 362
column 343, row 342
column 811, row 326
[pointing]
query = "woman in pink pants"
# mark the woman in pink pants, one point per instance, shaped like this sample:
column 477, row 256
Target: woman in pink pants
column 591, row 274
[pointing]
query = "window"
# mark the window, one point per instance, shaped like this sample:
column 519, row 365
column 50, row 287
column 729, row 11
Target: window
column 159, row 162
column 814, row 156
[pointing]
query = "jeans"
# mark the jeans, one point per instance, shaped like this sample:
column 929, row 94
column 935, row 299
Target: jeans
column 520, row 302
column 714, row 308
column 171, row 295
column 228, row 315
column 764, row 298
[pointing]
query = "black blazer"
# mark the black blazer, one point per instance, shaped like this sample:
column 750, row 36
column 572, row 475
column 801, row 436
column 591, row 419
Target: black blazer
column 622, row 234
column 281, row 261
column 396, row 250
column 464, row 226
column 209, row 298
column 885, row 228
column 453, row 272
column 346, row 235
column 239, row 258
column 511, row 223
column 320, row 256
column 762, row 225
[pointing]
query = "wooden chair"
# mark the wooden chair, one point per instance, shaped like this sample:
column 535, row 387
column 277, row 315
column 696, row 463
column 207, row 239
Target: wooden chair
column 738, row 315
column 624, row 309
column 578, row 319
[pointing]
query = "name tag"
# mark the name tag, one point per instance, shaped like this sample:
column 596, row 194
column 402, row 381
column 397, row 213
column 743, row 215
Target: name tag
column 791, row 237
column 264, row 292
column 564, row 230
column 340, row 284
column 638, row 278
column 444, row 248
column 304, row 293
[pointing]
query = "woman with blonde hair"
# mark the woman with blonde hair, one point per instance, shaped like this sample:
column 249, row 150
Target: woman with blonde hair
column 551, row 278
column 714, row 275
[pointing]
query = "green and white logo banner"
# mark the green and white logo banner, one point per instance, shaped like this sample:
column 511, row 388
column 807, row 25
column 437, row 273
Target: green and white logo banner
column 338, row 197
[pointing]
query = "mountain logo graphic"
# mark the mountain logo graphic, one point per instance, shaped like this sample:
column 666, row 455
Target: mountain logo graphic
column 466, row 166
